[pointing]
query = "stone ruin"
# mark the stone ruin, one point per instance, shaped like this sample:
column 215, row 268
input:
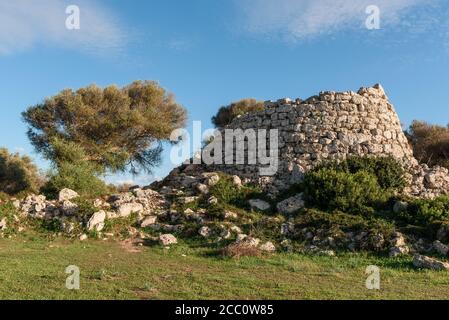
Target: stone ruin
column 330, row 126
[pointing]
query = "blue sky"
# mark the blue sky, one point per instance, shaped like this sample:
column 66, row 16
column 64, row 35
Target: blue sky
column 210, row 53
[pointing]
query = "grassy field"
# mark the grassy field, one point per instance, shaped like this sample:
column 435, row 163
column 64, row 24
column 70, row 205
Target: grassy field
column 34, row 268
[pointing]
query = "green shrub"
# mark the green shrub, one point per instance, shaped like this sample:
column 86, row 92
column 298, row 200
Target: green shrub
column 226, row 192
column 430, row 143
column 338, row 224
column 388, row 171
column 73, row 172
column 78, row 177
column 8, row 211
column 329, row 189
column 120, row 226
column 425, row 211
column 226, row 114
column 339, row 221
column 17, row 173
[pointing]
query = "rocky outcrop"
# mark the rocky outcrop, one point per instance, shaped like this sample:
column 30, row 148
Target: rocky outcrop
column 146, row 203
column 424, row 262
column 291, row 205
column 168, row 239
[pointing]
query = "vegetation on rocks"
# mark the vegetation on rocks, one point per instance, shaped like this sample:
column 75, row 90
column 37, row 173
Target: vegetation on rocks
column 71, row 171
column 360, row 204
column 354, row 185
column 226, row 114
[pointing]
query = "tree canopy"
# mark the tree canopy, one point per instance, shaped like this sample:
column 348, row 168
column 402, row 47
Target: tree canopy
column 116, row 128
column 17, row 173
column 226, row 114
column 430, row 143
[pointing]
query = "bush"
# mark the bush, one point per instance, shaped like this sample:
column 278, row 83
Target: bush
column 18, row 173
column 329, row 189
column 338, row 224
column 226, row 114
column 430, row 143
column 388, row 171
column 8, row 211
column 339, row 221
column 426, row 211
column 78, row 177
column 226, row 192
column 71, row 171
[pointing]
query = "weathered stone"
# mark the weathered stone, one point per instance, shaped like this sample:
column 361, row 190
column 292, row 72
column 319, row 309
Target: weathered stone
column 236, row 230
column 259, row 204
column 237, row 181
column 287, row 228
column 98, row 203
column 400, row 206
column 167, row 239
column 212, row 180
column 443, row 233
column 68, row 227
column 111, row 215
column 328, row 253
column 3, row 224
column 212, row 200
column 423, row 262
column 225, row 233
column 202, row 188
column 399, row 246
column 67, row 194
column 126, row 209
column 230, row 215
column 398, row 251
column 398, row 239
column 205, row 232
column 248, row 241
column 291, row 205
column 187, row 200
column 147, row 221
column 16, row 204
column 440, row 248
column 96, row 222
column 268, row 247
column 69, row 208
column 240, row 237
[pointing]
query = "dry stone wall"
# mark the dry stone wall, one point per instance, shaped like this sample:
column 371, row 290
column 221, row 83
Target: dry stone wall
column 333, row 126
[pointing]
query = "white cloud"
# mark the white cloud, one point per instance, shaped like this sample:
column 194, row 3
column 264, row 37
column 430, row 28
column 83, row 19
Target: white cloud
column 28, row 23
column 302, row 19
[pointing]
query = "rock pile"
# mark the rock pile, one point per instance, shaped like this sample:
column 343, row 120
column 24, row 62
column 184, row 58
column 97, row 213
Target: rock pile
column 146, row 203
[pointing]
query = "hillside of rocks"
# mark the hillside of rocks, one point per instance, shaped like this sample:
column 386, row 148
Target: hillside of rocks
column 233, row 210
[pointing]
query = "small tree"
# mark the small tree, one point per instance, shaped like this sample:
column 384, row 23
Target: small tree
column 226, row 114
column 17, row 173
column 430, row 143
column 72, row 171
column 116, row 128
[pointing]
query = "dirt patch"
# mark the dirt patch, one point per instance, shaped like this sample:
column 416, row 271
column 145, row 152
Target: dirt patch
column 132, row 245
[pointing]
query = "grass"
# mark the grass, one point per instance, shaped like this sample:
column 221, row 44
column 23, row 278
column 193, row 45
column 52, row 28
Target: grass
column 34, row 268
